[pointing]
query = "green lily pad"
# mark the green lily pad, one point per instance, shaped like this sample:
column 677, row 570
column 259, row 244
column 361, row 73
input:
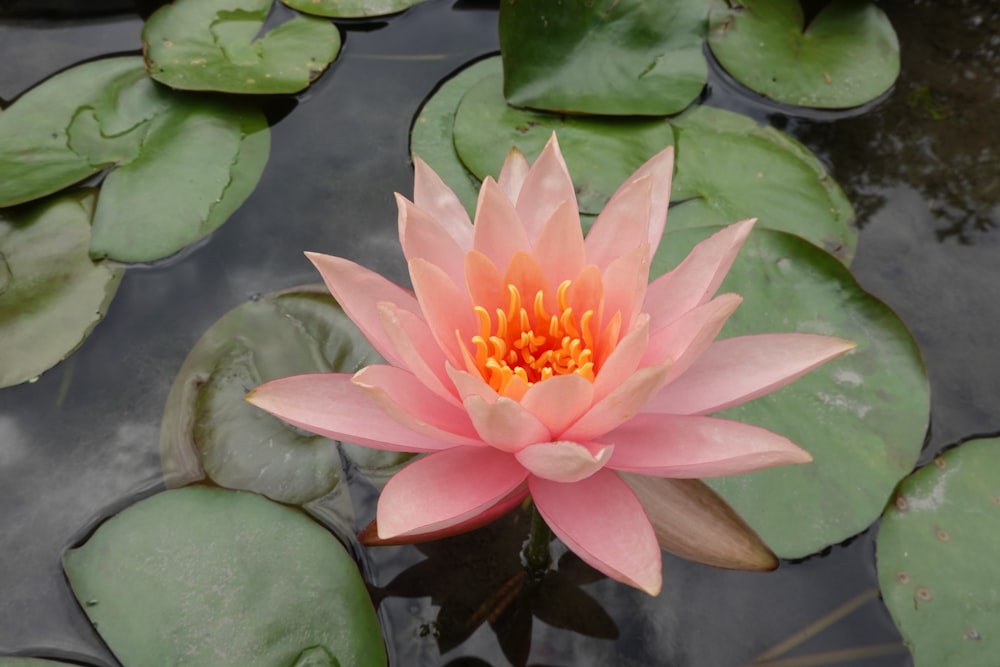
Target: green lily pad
column 214, row 45
column 350, row 9
column 51, row 293
column 863, row 416
column 847, row 56
column 937, row 564
column 208, row 429
column 215, row 578
column 432, row 136
column 601, row 153
column 731, row 168
column 631, row 57
column 180, row 164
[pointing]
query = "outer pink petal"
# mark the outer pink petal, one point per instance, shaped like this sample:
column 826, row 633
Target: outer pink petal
column 423, row 237
column 432, row 195
column 624, row 360
column 504, row 424
column 625, row 284
column 623, row 403
column 602, row 521
column 404, row 398
column 446, row 489
column 512, row 174
column 695, row 446
column 499, row 231
column 564, row 461
column 358, row 290
column 445, row 306
column 416, row 348
column 622, row 226
column 331, row 405
column 546, row 186
column 559, row 248
column 559, row 401
column 695, row 280
column 737, row 370
column 684, row 340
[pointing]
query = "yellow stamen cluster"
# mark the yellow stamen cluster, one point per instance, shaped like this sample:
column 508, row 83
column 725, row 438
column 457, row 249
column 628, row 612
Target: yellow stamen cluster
column 534, row 345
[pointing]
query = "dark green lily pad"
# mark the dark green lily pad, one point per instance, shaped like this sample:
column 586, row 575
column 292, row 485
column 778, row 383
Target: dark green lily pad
column 180, row 164
column 601, row 153
column 937, row 558
column 623, row 58
column 848, row 55
column 215, row 578
column 432, row 136
column 731, row 168
column 862, row 416
column 350, row 9
column 51, row 293
column 208, row 429
column 214, row 45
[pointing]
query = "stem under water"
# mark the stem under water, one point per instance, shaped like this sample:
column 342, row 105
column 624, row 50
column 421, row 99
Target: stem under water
column 536, row 555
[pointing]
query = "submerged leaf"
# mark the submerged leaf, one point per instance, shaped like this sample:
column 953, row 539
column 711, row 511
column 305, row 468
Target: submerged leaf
column 212, row 578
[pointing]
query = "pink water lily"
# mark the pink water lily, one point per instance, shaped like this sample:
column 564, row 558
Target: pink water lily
column 531, row 360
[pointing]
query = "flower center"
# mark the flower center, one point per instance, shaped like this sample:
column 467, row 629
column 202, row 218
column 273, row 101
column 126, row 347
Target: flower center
column 533, row 345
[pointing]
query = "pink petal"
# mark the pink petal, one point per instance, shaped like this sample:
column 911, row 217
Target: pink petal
column 358, row 290
column 369, row 536
column 622, row 226
column 445, row 306
column 687, row 337
column 504, row 424
column 660, row 168
column 620, row 405
column 484, row 281
column 512, row 174
column 601, row 520
column 330, row 405
column 559, row 401
column 559, row 247
column 404, row 398
column 564, row 461
column 499, row 231
column 416, row 348
column 423, row 237
column 470, row 384
column 546, row 186
column 695, row 446
column 623, row 361
column 737, row 370
column 625, row 284
column 695, row 280
column 432, row 195
column 446, row 489
column 694, row 522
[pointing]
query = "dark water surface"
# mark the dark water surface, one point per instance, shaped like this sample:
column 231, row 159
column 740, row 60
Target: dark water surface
column 921, row 169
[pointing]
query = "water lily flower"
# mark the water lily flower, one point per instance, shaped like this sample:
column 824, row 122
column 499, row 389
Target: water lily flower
column 529, row 359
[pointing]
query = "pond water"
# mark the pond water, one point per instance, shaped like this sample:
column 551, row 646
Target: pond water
column 921, row 168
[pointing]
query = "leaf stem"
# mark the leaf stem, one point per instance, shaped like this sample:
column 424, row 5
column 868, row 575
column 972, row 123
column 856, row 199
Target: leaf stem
column 535, row 554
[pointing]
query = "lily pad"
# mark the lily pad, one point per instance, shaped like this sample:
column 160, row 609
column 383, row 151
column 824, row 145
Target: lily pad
column 601, row 153
column 208, row 429
column 215, row 578
column 731, row 168
column 51, row 293
column 31, row 662
column 350, row 9
column 848, row 55
column 863, row 417
column 937, row 564
column 214, row 45
column 631, row 57
column 180, row 164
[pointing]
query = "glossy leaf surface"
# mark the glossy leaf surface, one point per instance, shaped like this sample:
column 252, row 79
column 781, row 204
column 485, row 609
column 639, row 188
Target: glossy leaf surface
column 624, row 58
column 350, row 9
column 937, row 564
column 51, row 293
column 214, row 45
column 215, row 578
column 846, row 56
column 863, row 417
